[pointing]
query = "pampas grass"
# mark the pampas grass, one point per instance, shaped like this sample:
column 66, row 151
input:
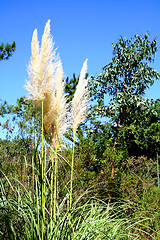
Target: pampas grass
column 41, row 72
column 46, row 90
column 56, row 122
column 78, row 111
column 56, row 118
column 80, row 99
column 42, row 67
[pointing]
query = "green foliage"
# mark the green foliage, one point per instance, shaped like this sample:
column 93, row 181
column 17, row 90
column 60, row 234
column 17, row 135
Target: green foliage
column 125, row 80
column 7, row 50
column 18, row 138
column 127, row 76
column 21, row 118
column 142, row 137
column 70, row 86
column 139, row 184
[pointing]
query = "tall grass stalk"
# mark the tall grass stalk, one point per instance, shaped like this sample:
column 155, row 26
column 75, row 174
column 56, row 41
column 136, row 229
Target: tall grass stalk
column 54, row 169
column 56, row 124
column 43, row 189
column 51, row 198
column 45, row 159
column 35, row 134
column 37, row 201
column 72, row 169
column 78, row 110
column 46, row 89
column 41, row 72
column 55, row 181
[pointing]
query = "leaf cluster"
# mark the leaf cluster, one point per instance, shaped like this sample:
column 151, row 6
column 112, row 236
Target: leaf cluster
column 6, row 50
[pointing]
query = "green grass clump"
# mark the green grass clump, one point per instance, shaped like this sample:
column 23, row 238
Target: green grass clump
column 21, row 216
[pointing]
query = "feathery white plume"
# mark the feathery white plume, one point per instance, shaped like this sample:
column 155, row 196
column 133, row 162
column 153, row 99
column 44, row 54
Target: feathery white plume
column 42, row 67
column 32, row 86
column 80, row 99
column 56, row 118
column 46, row 83
column 48, row 59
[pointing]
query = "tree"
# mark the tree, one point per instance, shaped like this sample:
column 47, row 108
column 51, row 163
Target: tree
column 18, row 142
column 141, row 137
column 7, row 50
column 21, row 119
column 125, row 80
column 70, row 86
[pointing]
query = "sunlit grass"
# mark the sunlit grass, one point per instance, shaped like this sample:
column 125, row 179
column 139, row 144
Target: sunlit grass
column 30, row 207
column 21, row 212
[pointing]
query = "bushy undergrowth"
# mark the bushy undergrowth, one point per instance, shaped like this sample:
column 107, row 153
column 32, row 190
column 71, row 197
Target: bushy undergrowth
column 89, row 218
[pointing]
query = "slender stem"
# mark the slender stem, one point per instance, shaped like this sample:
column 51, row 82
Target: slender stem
column 72, row 167
column 45, row 157
column 51, row 201
column 35, row 132
column 44, row 191
column 53, row 195
column 42, row 173
column 35, row 145
column 55, row 181
column 42, row 129
column 33, row 176
column 37, row 200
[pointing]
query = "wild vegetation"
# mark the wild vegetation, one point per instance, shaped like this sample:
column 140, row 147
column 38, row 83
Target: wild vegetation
column 80, row 156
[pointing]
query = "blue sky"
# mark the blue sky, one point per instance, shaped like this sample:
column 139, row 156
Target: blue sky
column 81, row 29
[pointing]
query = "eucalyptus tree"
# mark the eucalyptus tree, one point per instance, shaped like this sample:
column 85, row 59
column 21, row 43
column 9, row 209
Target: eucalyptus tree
column 125, row 80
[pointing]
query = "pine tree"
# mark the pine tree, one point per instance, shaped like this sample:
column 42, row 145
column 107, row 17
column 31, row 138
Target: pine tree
column 7, row 50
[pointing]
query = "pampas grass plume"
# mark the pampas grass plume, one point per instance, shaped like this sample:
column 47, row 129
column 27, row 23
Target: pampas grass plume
column 57, row 116
column 42, row 67
column 80, row 99
column 46, row 84
column 33, row 86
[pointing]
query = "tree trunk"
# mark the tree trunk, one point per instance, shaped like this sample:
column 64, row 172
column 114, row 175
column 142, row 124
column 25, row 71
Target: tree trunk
column 117, row 133
column 111, row 183
column 113, row 163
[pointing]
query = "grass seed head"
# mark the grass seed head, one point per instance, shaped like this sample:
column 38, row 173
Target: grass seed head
column 42, row 67
column 56, row 119
column 80, row 99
